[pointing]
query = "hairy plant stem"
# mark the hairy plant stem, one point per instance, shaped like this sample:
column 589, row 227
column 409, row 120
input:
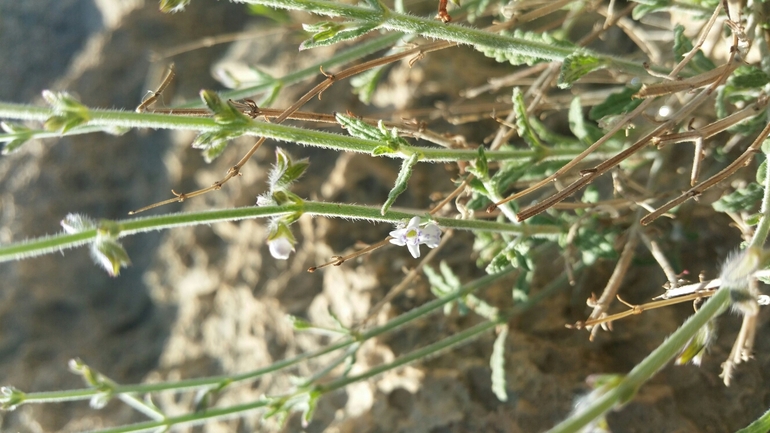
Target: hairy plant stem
column 431, row 28
column 117, row 118
column 656, row 360
column 215, row 381
column 132, row 226
column 431, row 350
column 357, row 51
column 643, row 371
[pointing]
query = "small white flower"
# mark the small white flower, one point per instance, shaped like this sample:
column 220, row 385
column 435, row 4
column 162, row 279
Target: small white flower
column 280, row 248
column 412, row 236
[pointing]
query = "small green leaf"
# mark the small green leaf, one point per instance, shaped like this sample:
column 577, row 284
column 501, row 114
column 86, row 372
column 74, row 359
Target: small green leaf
column 11, row 398
column 741, row 200
column 365, row 84
column 762, row 172
column 480, row 167
column 109, row 254
column 328, row 33
column 213, row 143
column 300, row 324
column 382, row 150
column 522, row 120
column 360, row 129
column 748, row 77
column 69, row 113
column 643, row 9
column 440, row 286
column 682, row 45
column 753, row 220
column 694, row 350
column 401, row 182
column 577, row 65
column 224, row 112
column 309, row 410
column 17, row 136
column 450, row 277
column 586, row 132
column 497, row 363
column 172, row 6
column 517, row 59
column 617, row 103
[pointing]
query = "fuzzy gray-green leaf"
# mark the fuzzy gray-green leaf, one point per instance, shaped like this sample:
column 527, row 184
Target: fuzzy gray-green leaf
column 577, row 65
column 497, row 363
column 401, row 181
column 332, row 33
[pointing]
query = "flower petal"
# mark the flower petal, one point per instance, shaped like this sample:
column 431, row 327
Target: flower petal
column 414, row 224
column 280, row 248
column 430, row 235
column 414, row 249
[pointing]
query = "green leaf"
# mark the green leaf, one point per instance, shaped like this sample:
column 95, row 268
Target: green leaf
column 762, row 172
column 401, row 182
column 109, row 254
column 740, row 200
column 550, row 137
column 172, row 6
column 748, row 77
column 694, row 350
column 300, row 324
column 682, row 45
column 480, row 166
column 17, row 136
column 69, row 113
column 517, row 59
column 643, row 9
column 286, row 171
column 447, row 283
column 617, row 103
column 309, row 410
column 329, row 33
column 522, row 120
column 382, row 150
column 360, row 129
column 449, row 276
column 365, row 84
column 224, row 112
column 586, row 132
column 497, row 363
column 577, row 65
column 213, row 143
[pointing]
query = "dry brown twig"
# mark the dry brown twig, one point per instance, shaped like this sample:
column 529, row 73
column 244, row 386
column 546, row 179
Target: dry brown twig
column 590, row 175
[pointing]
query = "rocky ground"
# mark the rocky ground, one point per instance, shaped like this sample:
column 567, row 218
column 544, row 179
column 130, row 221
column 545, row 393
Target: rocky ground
column 210, row 300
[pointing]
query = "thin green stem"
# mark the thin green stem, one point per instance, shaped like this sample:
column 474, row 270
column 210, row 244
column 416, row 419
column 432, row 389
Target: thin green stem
column 763, row 228
column 126, row 119
column 194, row 418
column 358, row 51
column 214, row 381
column 760, row 425
column 640, row 374
column 49, row 244
column 454, row 340
column 432, row 28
